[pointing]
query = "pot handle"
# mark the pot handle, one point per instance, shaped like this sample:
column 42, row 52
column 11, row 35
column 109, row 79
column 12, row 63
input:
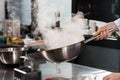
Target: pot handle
column 24, row 57
column 28, row 62
column 24, row 49
column 40, row 49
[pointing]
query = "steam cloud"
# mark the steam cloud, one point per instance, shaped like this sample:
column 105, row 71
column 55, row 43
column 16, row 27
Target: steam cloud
column 69, row 33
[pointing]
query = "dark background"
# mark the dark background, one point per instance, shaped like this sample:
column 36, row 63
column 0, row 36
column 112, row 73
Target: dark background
column 103, row 10
column 104, row 54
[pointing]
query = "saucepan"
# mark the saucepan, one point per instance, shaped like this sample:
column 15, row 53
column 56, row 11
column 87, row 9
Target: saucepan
column 65, row 53
column 11, row 54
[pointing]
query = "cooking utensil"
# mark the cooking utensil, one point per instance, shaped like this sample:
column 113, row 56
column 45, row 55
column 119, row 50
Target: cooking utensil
column 94, row 37
column 11, row 55
column 62, row 54
column 66, row 53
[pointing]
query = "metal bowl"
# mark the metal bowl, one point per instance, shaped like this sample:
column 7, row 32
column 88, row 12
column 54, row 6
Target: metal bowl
column 11, row 55
column 66, row 53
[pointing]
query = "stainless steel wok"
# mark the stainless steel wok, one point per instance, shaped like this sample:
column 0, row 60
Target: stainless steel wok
column 62, row 54
column 66, row 53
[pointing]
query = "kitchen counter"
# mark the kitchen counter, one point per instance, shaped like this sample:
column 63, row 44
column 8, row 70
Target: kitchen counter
column 65, row 69
column 103, row 54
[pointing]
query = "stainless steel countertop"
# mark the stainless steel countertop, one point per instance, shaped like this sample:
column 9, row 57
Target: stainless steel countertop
column 48, row 69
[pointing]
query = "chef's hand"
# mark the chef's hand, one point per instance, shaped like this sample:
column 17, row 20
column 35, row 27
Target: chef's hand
column 113, row 76
column 104, row 31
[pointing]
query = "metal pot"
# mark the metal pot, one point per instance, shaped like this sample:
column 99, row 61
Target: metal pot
column 11, row 55
column 62, row 54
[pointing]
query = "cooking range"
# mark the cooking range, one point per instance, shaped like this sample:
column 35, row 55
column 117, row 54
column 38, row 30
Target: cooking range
column 49, row 71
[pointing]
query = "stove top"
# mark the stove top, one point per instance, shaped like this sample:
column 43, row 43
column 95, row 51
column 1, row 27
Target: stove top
column 68, row 71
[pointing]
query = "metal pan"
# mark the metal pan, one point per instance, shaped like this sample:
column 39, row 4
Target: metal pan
column 62, row 54
column 66, row 53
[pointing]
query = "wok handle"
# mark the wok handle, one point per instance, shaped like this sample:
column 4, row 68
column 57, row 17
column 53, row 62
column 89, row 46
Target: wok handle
column 90, row 39
column 94, row 37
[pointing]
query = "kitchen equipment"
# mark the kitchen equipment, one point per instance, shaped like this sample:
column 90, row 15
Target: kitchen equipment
column 66, row 53
column 25, row 73
column 62, row 54
column 11, row 54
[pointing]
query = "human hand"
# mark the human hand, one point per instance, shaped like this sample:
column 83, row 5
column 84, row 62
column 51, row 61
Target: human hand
column 113, row 76
column 104, row 31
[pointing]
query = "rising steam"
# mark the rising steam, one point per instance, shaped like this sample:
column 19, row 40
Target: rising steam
column 69, row 33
